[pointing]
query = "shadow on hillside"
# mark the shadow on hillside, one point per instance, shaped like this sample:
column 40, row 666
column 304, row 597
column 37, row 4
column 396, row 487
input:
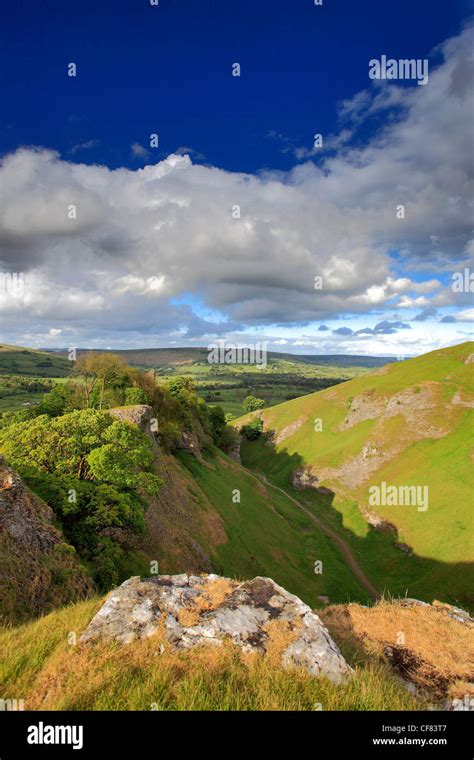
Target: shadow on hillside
column 393, row 569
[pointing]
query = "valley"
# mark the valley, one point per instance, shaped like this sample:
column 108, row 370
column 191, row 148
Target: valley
column 116, row 471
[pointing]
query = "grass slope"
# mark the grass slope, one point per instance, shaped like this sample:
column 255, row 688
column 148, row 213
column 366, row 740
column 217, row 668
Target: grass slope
column 43, row 664
column 409, row 423
column 266, row 534
column 15, row 360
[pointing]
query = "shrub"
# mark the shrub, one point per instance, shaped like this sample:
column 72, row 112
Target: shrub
column 253, row 429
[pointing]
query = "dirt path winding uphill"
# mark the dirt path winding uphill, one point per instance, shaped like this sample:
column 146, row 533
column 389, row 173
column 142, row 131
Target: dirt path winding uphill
column 343, row 547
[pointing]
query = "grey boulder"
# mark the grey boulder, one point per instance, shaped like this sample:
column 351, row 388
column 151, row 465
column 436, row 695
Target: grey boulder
column 207, row 609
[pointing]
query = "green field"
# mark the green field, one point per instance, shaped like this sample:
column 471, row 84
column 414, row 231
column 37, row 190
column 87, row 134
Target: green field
column 283, row 378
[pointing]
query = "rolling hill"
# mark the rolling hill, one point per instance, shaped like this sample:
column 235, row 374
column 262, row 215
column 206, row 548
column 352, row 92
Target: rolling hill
column 180, row 357
column 15, row 360
column 407, row 424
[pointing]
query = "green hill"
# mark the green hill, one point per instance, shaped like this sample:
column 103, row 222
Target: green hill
column 15, row 360
column 406, row 424
column 179, row 358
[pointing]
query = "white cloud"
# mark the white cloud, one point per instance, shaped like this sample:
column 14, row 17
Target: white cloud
column 143, row 238
column 466, row 316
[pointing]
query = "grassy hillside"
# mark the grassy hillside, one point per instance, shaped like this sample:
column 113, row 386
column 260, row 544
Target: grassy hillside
column 43, row 661
column 180, row 357
column 15, row 360
column 266, row 534
column 409, row 423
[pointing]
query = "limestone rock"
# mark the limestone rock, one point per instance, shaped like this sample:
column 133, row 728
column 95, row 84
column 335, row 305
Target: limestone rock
column 39, row 568
column 256, row 615
column 303, row 477
column 136, row 414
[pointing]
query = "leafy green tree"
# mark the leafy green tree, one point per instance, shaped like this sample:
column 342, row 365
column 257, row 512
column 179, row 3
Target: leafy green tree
column 217, row 419
column 92, row 469
column 124, row 458
column 252, row 404
column 58, row 401
column 99, row 371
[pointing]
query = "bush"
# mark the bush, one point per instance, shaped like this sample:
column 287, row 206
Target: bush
column 253, row 429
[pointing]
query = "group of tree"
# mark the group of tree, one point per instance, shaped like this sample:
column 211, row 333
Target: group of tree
column 94, row 472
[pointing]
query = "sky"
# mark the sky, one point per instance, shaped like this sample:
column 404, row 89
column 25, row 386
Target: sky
column 161, row 183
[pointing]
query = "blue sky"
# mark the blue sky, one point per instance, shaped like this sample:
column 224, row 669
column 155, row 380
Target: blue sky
column 166, row 69
column 155, row 255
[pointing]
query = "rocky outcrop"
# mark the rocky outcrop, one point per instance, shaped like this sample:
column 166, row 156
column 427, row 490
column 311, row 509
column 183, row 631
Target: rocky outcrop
column 190, row 442
column 257, row 616
column 232, row 448
column 378, row 523
column 275, row 438
column 137, row 414
column 303, row 477
column 38, row 569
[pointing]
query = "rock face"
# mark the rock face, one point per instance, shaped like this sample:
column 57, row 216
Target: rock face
column 137, row 414
column 233, row 450
column 38, row 569
column 303, row 477
column 256, row 615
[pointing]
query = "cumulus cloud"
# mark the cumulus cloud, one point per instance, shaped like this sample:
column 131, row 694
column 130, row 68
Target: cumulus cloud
column 138, row 240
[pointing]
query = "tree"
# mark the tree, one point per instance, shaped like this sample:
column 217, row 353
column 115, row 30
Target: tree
column 98, row 370
column 252, row 404
column 92, row 470
column 124, row 459
column 60, row 399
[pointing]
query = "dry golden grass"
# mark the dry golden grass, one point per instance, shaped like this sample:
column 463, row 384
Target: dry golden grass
column 281, row 633
column 211, row 597
column 423, row 644
column 40, row 665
